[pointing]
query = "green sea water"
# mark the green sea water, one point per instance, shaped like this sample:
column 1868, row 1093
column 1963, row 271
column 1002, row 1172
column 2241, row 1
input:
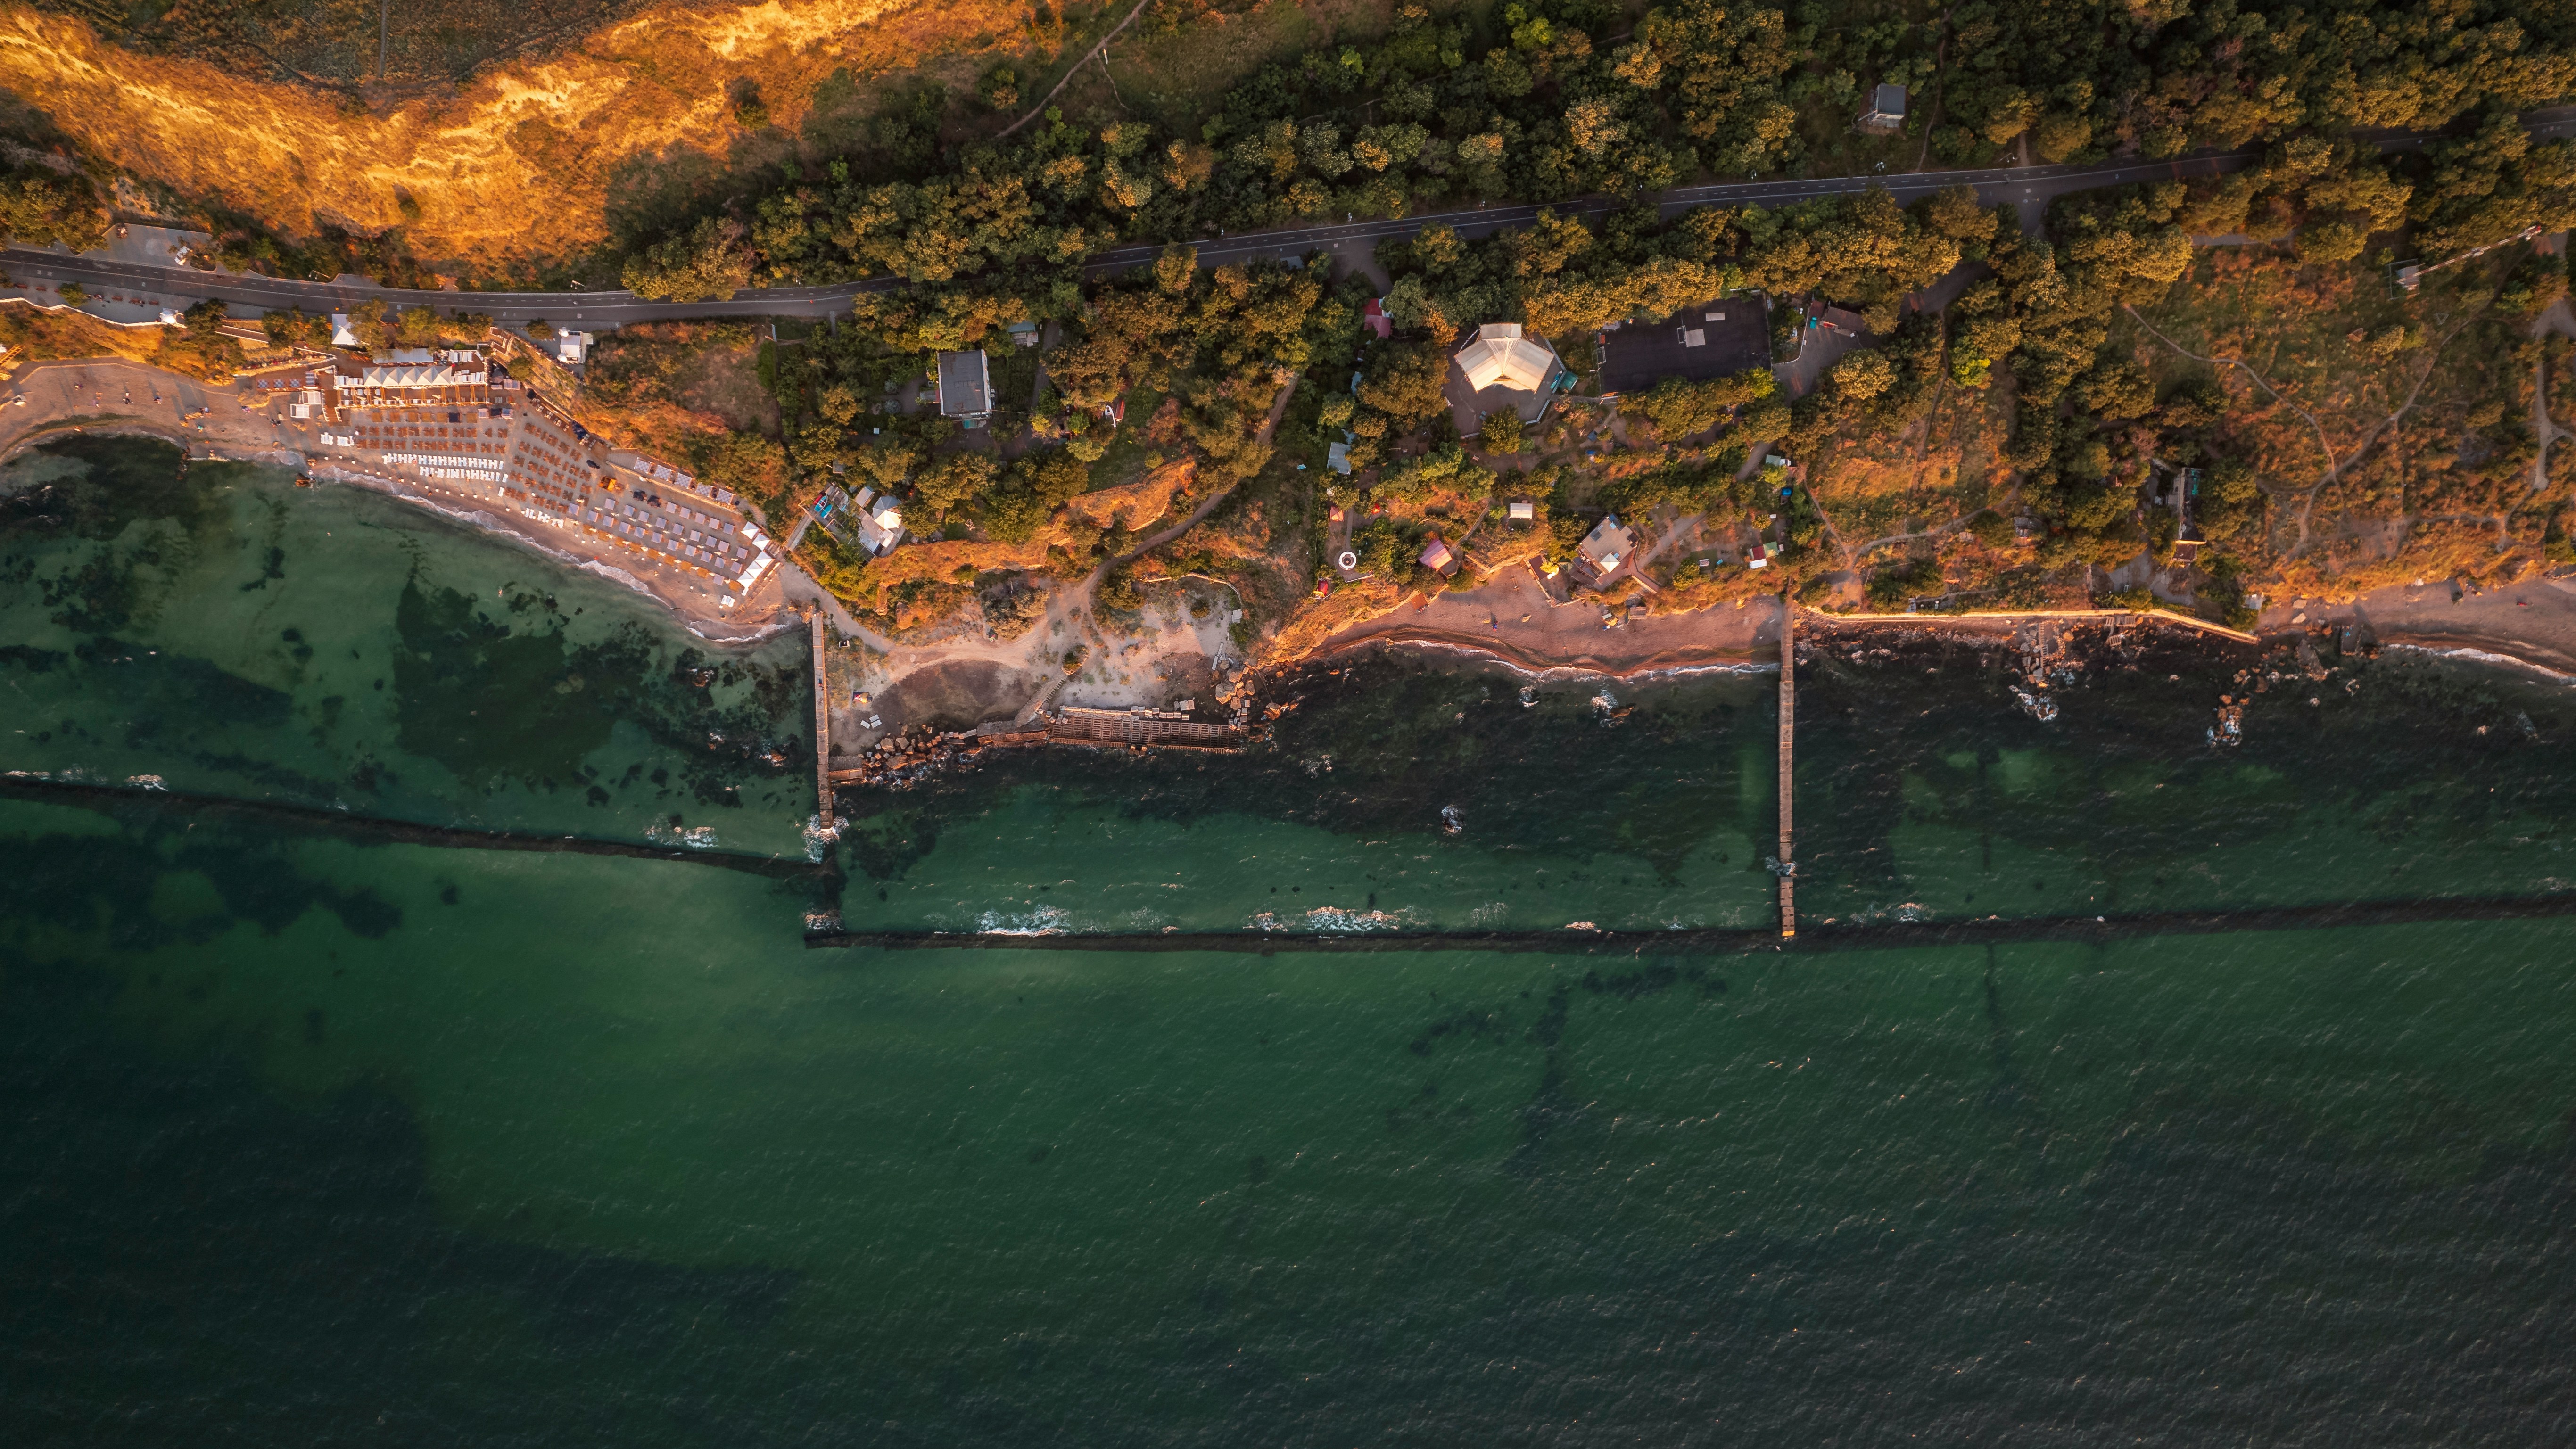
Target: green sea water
column 315, row 1140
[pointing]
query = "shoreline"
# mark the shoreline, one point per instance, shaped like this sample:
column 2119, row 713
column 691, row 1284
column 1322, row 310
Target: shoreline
column 2469, row 645
column 492, row 525
column 1509, row 621
column 232, row 422
column 313, row 473
column 1513, row 662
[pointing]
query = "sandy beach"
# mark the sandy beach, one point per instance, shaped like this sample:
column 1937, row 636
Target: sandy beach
column 1511, row 619
column 2532, row 624
column 238, row 422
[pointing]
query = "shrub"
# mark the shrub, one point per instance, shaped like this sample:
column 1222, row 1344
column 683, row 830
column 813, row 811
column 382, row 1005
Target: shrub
column 1118, row 592
column 1890, row 587
column 2534, row 286
column 1000, row 88
column 1991, row 529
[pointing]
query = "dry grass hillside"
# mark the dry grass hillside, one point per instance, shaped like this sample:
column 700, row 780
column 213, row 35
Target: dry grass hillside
column 541, row 157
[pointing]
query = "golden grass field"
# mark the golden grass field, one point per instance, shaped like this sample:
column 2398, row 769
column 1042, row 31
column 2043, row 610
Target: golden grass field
column 527, row 159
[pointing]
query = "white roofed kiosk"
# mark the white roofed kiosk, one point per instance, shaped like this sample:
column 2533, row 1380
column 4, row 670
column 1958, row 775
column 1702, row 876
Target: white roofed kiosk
column 1502, row 369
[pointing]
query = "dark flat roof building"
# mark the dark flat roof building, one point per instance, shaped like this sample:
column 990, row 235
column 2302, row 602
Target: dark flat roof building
column 965, row 385
column 1886, row 113
column 1704, row 340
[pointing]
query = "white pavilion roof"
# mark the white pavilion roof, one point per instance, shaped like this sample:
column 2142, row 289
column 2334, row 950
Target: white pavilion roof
column 1501, row 356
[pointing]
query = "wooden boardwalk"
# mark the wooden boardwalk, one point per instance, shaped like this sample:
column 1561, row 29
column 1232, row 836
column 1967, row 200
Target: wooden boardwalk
column 1788, row 774
column 822, row 729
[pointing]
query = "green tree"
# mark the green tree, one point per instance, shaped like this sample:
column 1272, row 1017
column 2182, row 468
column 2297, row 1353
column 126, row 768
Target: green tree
column 1406, row 385
column 1679, row 407
column 999, row 89
column 887, row 461
column 954, row 478
column 291, row 328
column 706, row 263
column 39, row 207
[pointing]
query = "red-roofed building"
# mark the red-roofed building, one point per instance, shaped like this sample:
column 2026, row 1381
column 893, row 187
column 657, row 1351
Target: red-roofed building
column 1373, row 315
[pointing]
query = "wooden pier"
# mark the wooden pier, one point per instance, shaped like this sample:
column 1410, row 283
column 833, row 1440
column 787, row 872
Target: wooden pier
column 822, row 728
column 1788, row 774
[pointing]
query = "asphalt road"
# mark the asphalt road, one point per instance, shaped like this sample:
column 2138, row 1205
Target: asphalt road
column 603, row 311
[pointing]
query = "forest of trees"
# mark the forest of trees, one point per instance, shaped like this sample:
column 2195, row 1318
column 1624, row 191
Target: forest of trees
column 2085, row 417
column 1546, row 100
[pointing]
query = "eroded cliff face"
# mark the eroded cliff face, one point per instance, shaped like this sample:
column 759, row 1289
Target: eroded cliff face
column 541, row 157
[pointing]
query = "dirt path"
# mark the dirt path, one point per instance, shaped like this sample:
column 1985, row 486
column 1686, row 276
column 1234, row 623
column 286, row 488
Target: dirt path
column 2334, row 466
column 1207, row 505
column 1943, row 530
column 2559, row 320
column 1073, row 70
column 1671, row 535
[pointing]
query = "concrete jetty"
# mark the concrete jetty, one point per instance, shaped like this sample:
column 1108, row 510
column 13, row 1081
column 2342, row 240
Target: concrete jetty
column 822, row 727
column 1788, row 774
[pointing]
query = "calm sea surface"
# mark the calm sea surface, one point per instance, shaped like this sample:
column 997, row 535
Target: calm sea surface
column 313, row 1140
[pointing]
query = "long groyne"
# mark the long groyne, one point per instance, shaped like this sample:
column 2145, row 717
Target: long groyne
column 1787, row 869
column 1893, row 935
column 376, row 830
column 822, row 725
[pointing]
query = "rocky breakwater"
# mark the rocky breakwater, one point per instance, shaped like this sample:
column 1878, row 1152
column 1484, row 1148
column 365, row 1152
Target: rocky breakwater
column 911, row 756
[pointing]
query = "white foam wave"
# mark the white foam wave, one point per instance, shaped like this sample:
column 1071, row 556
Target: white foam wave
column 1043, row 921
column 2482, row 656
column 1335, row 920
column 1562, row 672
